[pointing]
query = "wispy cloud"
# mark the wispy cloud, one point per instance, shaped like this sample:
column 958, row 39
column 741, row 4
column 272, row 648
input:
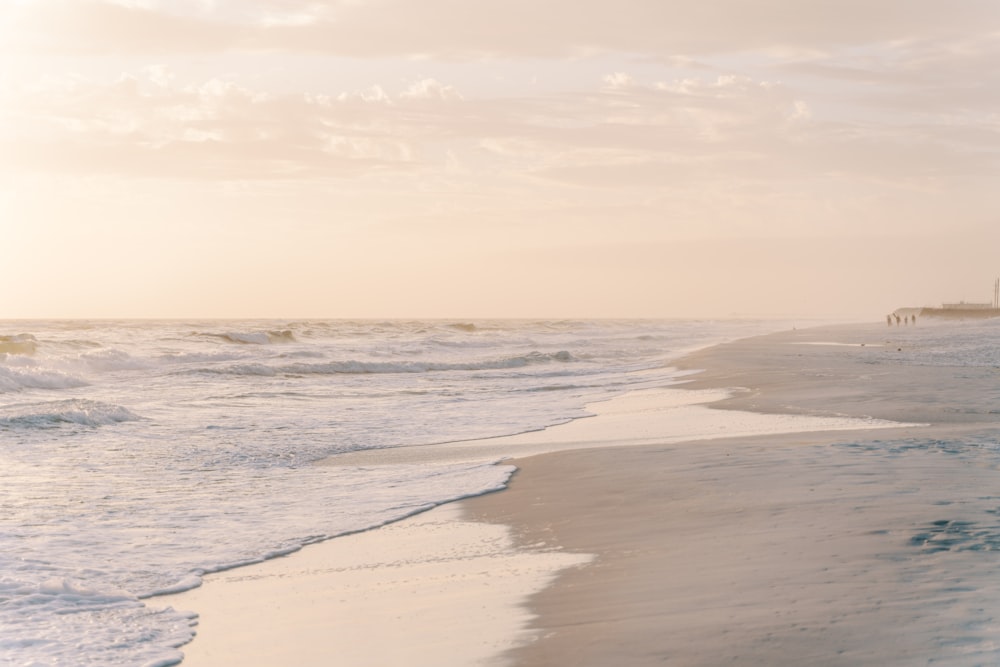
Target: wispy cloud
column 148, row 126
column 487, row 28
column 658, row 135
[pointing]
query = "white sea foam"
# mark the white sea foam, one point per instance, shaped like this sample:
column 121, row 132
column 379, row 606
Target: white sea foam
column 14, row 379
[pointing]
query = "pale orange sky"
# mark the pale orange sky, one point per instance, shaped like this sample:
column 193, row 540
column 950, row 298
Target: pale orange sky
column 487, row 158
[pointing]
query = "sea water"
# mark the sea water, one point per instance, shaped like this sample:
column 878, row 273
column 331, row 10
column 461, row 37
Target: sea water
column 136, row 456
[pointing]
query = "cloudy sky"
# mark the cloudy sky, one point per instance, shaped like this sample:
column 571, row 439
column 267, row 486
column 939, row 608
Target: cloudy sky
column 497, row 158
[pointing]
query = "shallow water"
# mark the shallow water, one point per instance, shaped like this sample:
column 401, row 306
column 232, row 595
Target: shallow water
column 137, row 456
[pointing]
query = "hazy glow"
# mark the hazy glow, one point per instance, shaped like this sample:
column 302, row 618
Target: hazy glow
column 390, row 158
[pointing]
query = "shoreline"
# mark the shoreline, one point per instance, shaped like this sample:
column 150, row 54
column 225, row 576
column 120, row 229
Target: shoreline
column 384, row 596
column 543, row 506
column 804, row 548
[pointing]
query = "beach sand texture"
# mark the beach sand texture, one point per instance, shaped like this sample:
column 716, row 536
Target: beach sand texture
column 862, row 547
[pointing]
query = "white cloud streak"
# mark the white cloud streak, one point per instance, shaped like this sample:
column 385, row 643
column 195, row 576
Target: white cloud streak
column 661, row 135
column 491, row 28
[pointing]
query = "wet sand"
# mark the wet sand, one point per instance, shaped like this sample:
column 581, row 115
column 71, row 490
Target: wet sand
column 670, row 543
column 814, row 548
column 430, row 590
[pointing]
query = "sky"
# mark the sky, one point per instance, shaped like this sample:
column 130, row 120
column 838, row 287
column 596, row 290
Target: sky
column 497, row 158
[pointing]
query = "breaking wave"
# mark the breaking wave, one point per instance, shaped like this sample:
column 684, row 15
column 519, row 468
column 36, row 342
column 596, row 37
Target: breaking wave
column 19, row 344
column 385, row 367
column 19, row 379
column 81, row 412
column 254, row 337
column 112, row 360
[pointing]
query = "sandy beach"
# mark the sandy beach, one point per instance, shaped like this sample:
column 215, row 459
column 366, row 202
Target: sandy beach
column 733, row 545
column 344, row 332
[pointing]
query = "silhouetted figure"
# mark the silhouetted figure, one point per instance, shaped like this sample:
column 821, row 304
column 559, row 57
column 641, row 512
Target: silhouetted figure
column 897, row 320
column 888, row 320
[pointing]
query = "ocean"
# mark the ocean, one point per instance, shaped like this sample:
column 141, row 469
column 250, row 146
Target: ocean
column 136, row 456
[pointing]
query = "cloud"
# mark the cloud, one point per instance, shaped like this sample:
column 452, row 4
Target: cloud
column 920, row 75
column 828, row 121
column 458, row 29
column 431, row 89
column 618, row 80
column 96, row 27
column 705, row 134
column 149, row 125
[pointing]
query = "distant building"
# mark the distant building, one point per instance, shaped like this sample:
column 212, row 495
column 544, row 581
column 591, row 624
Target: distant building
column 961, row 305
column 962, row 309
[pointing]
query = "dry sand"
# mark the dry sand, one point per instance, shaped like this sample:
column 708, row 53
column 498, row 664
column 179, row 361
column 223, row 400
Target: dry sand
column 761, row 549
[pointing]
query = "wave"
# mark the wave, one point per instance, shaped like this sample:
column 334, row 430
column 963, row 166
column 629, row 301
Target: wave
column 559, row 387
column 387, row 367
column 181, row 358
column 253, row 337
column 59, row 596
column 81, row 412
column 81, row 344
column 18, row 379
column 74, row 594
column 262, row 370
column 18, row 344
column 113, row 360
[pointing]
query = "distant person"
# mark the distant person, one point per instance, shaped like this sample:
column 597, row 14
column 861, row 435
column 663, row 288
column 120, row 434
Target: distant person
column 888, row 320
column 897, row 320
